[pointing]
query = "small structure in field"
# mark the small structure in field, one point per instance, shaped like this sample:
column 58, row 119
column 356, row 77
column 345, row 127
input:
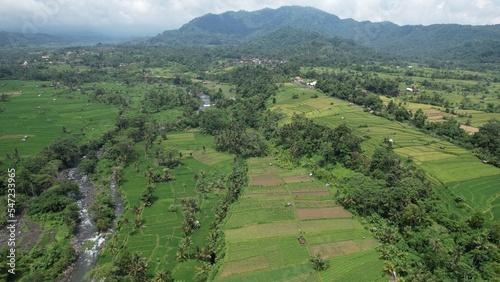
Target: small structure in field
column 302, row 240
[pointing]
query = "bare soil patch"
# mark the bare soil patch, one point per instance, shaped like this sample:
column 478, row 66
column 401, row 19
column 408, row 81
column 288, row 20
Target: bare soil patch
column 245, row 265
column 29, row 238
column 266, row 180
column 331, row 212
column 434, row 115
column 296, row 178
column 15, row 93
column 471, row 130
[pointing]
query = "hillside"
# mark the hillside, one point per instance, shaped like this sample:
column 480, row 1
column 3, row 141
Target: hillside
column 17, row 39
column 415, row 41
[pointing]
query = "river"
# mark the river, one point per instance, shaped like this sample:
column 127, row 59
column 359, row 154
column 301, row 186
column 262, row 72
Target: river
column 87, row 241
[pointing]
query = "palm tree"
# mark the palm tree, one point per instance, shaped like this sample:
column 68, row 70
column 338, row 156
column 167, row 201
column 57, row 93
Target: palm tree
column 162, row 276
column 139, row 268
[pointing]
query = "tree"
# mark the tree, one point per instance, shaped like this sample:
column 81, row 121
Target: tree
column 147, row 194
column 419, row 118
column 319, row 263
column 183, row 249
column 494, row 234
column 138, row 268
column 162, row 276
column 477, row 220
column 65, row 149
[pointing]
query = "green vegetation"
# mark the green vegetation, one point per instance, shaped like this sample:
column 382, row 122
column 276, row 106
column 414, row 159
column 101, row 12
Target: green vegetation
column 316, row 159
column 289, row 224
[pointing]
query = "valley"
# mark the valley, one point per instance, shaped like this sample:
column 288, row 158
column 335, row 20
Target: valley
column 245, row 149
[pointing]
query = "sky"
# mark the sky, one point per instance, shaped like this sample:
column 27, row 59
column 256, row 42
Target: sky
column 150, row 17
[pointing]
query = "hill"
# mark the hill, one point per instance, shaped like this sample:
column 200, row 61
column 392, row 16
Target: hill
column 17, row 39
column 419, row 41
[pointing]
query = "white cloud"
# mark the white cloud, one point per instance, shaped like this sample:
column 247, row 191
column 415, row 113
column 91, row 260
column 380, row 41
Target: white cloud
column 158, row 15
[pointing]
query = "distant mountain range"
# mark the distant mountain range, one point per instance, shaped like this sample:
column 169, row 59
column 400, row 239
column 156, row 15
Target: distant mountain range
column 17, row 39
column 298, row 30
column 232, row 28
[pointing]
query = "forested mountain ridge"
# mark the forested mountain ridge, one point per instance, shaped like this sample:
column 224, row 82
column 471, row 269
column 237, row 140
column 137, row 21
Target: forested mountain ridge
column 16, row 39
column 410, row 40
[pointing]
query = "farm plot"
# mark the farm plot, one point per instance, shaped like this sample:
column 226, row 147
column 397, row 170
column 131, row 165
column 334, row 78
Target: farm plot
column 318, row 213
column 158, row 237
column 259, row 191
column 290, row 273
column 343, row 247
column 269, row 228
column 244, row 265
column 41, row 113
column 314, row 203
column 443, row 161
column 266, row 180
column 362, row 266
column 310, row 192
column 480, row 193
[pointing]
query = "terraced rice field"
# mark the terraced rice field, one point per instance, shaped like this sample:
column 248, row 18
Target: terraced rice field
column 263, row 230
column 445, row 163
column 159, row 236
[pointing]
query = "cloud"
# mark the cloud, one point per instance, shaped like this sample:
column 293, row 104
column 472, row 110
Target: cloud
column 153, row 16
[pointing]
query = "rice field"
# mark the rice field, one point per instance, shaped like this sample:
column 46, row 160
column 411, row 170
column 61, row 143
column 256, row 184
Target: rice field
column 264, row 227
column 444, row 162
column 41, row 113
column 159, row 236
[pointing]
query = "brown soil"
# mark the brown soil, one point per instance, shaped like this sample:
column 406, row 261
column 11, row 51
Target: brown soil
column 266, row 180
column 471, row 130
column 434, row 115
column 331, row 212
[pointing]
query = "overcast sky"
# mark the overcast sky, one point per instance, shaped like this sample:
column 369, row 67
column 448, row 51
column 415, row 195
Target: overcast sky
column 150, row 17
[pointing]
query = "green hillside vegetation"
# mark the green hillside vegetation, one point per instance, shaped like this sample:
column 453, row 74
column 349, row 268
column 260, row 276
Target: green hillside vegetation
column 438, row 41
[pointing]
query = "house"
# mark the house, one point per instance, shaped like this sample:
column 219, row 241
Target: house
column 312, row 84
column 25, row 64
column 298, row 79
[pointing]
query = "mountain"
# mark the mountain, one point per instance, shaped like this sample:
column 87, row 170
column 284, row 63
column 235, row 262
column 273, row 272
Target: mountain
column 231, row 28
column 310, row 48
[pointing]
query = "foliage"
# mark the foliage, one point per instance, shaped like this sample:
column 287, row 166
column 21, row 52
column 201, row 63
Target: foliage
column 102, row 210
column 487, row 142
column 319, row 263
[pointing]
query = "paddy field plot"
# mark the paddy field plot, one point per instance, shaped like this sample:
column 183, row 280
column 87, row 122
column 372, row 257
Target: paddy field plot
column 482, row 194
column 159, row 236
column 445, row 163
column 40, row 113
column 263, row 231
